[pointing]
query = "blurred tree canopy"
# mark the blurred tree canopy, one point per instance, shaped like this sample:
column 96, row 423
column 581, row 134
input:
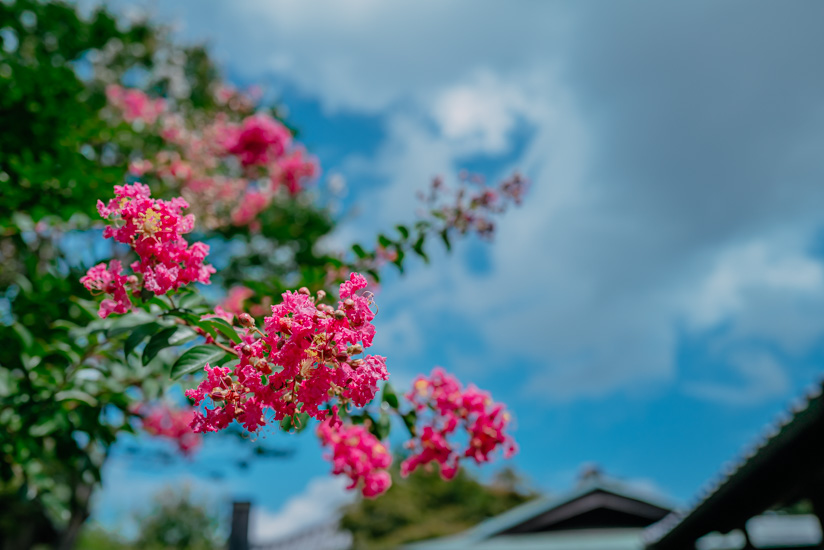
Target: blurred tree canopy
column 424, row 506
column 174, row 521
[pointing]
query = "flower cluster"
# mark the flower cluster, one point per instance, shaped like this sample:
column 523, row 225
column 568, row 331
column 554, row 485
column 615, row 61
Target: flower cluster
column 474, row 203
column 445, row 406
column 306, row 358
column 134, row 104
column 154, row 229
column 357, row 454
column 164, row 421
column 258, row 140
column 109, row 280
column 229, row 168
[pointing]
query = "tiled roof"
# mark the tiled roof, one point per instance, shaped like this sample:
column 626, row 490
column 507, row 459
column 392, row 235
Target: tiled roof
column 790, row 425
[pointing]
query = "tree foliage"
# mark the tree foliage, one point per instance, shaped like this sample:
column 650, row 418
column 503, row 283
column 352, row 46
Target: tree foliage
column 424, row 506
column 175, row 520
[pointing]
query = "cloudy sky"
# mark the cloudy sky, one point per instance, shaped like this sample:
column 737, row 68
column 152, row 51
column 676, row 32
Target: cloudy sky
column 660, row 295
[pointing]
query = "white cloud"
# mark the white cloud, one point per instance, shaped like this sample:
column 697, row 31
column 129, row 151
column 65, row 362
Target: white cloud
column 753, row 268
column 761, row 378
column 318, row 504
column 479, row 116
column 666, row 185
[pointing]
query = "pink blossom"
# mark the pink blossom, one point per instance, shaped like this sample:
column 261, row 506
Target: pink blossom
column 139, row 167
column 110, row 281
column 358, row 455
column 235, row 300
column 308, row 358
column 134, row 104
column 259, row 140
column 294, row 170
column 443, row 406
column 174, row 424
column 247, row 211
column 154, row 228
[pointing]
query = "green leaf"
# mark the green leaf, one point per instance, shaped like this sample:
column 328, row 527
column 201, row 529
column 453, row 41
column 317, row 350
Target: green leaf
column 169, row 336
column 76, row 395
column 402, row 229
column 389, row 396
column 128, row 323
column 187, row 316
column 384, row 241
column 398, row 261
column 445, row 239
column 359, row 251
column 409, row 420
column 382, row 427
column 225, row 328
column 195, row 359
column 207, row 327
column 418, row 248
column 190, row 300
column 25, row 336
column 138, row 335
column 287, row 424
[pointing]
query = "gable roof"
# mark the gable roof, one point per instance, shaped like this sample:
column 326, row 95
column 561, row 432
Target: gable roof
column 615, row 505
column 783, row 466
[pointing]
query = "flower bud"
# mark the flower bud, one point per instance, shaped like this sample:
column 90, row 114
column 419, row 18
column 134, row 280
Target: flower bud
column 349, row 303
column 254, row 361
column 246, row 349
column 321, row 294
column 342, row 357
column 303, row 290
column 265, row 368
column 354, row 349
column 246, row 320
column 356, row 363
column 227, row 380
column 339, row 315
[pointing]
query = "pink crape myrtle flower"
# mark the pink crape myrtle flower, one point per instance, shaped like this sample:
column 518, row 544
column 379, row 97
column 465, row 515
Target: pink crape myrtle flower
column 171, row 423
column 134, row 104
column 235, row 302
column 295, row 170
column 154, row 228
column 445, row 406
column 251, row 205
column 307, row 357
column 236, row 298
column 358, row 455
column 259, row 139
column 109, row 280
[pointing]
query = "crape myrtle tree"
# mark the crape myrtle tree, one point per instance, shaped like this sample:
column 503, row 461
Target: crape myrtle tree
column 203, row 195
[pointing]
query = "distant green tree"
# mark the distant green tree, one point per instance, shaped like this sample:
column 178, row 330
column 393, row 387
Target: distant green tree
column 424, row 506
column 95, row 537
column 174, row 521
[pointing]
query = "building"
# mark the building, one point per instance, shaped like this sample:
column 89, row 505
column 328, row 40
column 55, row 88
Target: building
column 754, row 503
column 743, row 508
column 599, row 515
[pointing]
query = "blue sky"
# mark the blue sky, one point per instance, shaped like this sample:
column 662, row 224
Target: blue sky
column 656, row 301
